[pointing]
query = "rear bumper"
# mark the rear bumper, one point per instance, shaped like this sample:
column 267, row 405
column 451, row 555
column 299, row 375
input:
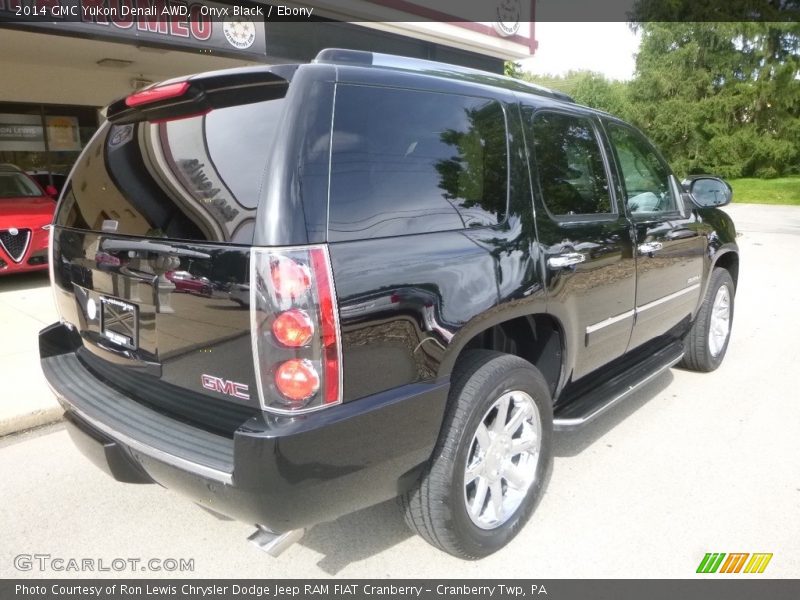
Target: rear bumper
column 283, row 473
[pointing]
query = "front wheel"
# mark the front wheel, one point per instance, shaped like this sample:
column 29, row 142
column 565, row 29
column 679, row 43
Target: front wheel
column 707, row 340
column 492, row 461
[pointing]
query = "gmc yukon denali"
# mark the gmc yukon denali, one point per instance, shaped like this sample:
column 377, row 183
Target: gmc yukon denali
column 293, row 292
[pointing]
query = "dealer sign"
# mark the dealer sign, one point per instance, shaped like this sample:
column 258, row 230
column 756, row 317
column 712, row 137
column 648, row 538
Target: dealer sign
column 226, row 29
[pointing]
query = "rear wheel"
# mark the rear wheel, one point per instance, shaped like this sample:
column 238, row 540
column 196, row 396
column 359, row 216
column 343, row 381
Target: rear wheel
column 707, row 340
column 492, row 461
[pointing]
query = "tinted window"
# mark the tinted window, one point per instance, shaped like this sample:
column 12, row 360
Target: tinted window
column 239, row 139
column 646, row 177
column 194, row 178
column 414, row 162
column 570, row 165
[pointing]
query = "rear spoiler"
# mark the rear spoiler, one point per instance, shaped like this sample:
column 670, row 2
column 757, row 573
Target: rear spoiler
column 199, row 94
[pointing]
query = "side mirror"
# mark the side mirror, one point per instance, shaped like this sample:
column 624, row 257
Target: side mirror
column 51, row 191
column 706, row 191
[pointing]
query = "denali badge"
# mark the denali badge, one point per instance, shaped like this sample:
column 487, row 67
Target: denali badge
column 224, row 386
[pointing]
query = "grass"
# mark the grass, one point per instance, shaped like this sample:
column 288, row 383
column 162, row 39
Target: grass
column 784, row 190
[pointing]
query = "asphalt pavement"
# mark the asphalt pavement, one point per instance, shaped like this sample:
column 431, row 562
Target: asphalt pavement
column 690, row 464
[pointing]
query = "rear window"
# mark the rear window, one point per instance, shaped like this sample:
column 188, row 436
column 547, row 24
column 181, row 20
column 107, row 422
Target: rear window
column 196, row 178
column 408, row 162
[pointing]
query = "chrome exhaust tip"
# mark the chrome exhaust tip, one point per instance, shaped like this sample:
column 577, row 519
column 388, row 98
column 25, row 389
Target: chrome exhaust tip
column 273, row 543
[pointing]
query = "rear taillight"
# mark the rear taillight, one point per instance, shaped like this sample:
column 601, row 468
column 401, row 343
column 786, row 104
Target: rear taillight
column 290, row 279
column 297, row 379
column 295, row 329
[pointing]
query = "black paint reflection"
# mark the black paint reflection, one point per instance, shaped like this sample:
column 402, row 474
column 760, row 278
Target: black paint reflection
column 407, row 162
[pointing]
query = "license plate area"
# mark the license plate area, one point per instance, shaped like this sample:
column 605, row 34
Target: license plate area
column 119, row 322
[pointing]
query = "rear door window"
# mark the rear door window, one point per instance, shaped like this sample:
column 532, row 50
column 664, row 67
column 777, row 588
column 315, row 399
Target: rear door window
column 570, row 166
column 409, row 162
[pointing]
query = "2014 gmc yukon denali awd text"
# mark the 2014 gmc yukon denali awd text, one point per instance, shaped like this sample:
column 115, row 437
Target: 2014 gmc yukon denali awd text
column 292, row 292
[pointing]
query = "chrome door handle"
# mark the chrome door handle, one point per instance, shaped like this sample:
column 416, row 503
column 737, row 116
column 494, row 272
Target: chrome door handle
column 650, row 247
column 567, row 259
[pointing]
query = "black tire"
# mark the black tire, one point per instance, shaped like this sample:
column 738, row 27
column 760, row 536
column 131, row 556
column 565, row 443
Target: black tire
column 699, row 355
column 436, row 508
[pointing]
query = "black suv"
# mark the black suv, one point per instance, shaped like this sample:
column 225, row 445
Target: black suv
column 413, row 274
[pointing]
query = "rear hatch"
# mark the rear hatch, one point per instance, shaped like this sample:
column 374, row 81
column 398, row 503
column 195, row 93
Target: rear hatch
column 150, row 253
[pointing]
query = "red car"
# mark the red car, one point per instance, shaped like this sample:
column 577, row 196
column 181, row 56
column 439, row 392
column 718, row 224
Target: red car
column 186, row 282
column 26, row 211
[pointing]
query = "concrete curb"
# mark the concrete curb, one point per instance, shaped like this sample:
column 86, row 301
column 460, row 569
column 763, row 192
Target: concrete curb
column 30, row 420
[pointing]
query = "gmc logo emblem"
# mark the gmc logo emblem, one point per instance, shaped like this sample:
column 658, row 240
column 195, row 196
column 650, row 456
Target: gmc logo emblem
column 224, row 386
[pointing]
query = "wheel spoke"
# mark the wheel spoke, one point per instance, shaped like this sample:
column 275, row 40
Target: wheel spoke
column 523, row 445
column 497, row 499
column 474, row 471
column 482, row 436
column 481, row 488
column 515, row 477
column 517, row 417
column 502, row 414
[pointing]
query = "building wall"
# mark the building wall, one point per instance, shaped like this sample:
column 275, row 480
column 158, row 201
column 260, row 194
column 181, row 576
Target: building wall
column 41, row 67
column 302, row 41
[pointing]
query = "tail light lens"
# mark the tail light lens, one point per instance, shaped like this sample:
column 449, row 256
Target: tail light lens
column 297, row 379
column 295, row 329
column 290, row 279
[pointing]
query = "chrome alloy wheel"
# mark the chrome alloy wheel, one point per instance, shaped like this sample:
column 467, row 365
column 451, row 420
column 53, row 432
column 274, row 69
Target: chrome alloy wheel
column 502, row 459
column 720, row 325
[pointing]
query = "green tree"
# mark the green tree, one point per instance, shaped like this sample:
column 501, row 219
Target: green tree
column 721, row 98
column 512, row 69
column 588, row 88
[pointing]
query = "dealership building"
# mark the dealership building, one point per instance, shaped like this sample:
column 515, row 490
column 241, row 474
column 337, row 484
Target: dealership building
column 59, row 70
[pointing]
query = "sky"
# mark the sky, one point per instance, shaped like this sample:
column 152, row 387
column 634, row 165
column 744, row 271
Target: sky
column 607, row 48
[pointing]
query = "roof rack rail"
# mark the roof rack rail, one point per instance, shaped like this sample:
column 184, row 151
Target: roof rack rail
column 341, row 56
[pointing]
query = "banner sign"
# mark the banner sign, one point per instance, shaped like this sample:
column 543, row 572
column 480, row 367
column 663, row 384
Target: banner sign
column 21, row 133
column 231, row 29
column 24, row 133
column 63, row 134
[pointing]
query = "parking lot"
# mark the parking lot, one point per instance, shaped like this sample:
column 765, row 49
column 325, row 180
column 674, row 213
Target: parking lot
column 692, row 463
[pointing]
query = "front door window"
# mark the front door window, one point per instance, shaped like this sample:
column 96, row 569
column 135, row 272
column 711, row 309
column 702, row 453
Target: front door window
column 648, row 192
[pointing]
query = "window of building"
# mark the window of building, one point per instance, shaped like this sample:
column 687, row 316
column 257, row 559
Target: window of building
column 407, row 162
column 45, row 139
